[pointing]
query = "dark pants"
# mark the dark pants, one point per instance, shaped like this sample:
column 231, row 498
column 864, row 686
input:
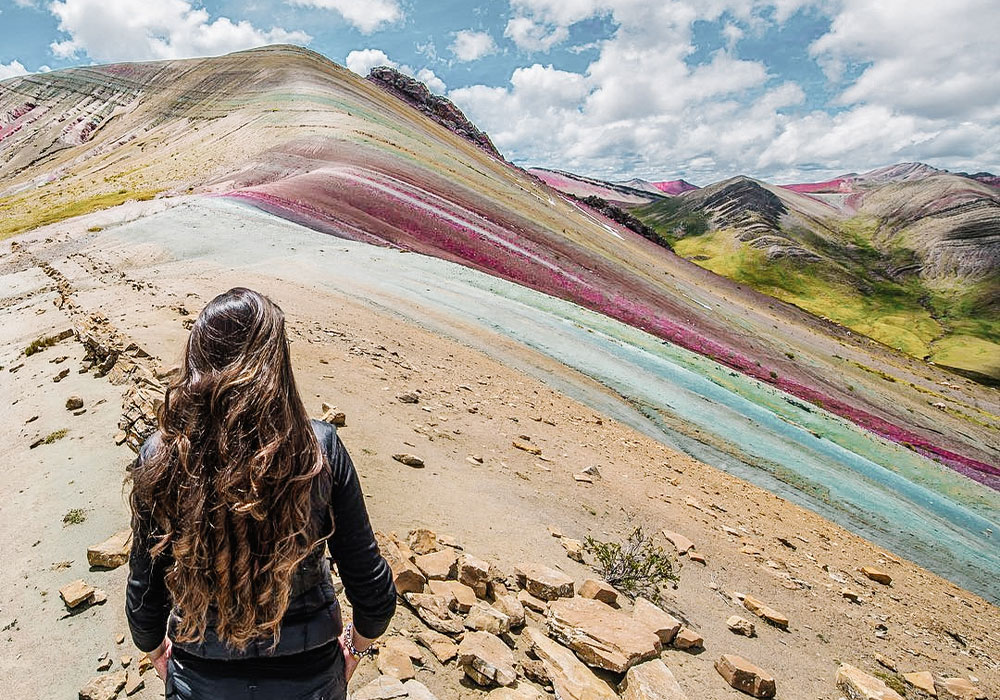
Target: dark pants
column 184, row 683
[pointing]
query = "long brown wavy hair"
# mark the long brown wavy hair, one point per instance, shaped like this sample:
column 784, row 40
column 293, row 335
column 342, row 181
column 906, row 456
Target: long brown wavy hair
column 228, row 484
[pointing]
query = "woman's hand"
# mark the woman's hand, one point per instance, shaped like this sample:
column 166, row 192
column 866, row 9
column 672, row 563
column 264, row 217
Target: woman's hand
column 350, row 663
column 159, row 657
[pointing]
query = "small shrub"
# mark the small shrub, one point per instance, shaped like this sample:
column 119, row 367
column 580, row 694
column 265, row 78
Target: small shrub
column 53, row 436
column 774, row 375
column 892, row 681
column 75, row 516
column 635, row 567
column 94, row 229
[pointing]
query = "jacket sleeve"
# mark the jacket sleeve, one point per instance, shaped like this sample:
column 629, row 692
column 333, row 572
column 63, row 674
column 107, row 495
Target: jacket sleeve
column 366, row 575
column 147, row 601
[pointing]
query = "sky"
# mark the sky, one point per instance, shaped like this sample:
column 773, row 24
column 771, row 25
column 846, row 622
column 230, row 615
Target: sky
column 782, row 90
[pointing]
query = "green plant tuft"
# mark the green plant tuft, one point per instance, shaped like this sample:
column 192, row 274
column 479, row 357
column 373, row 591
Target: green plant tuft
column 635, row 567
column 75, row 516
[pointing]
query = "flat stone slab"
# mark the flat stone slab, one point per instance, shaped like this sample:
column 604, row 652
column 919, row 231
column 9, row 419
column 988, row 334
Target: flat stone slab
column 651, row 680
column 858, row 685
column 486, row 659
column 765, row 612
column 570, row 677
column 662, row 623
column 600, row 635
column 599, row 590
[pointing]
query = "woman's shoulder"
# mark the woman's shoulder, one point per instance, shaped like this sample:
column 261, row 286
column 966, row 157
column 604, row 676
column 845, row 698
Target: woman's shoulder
column 149, row 446
column 326, row 433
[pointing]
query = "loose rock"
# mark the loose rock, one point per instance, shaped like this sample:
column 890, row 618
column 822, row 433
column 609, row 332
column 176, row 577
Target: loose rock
column 408, row 397
column 405, row 575
column 486, row 618
column 958, row 688
column 765, row 612
column 922, row 681
column 74, row 403
column 415, row 690
column 574, row 548
column 679, row 541
column 382, row 688
column 76, row 592
column 739, row 625
column 662, row 624
column 474, row 573
column 435, row 611
column 512, row 608
column 651, row 681
column 687, row 638
column 439, row 565
column 104, row 687
column 599, row 590
column 393, row 662
column 876, row 575
column 409, row 460
column 531, row 602
column 133, row 683
column 486, row 659
column 442, row 647
column 522, row 692
column 745, row 676
column 422, row 541
column 858, row 685
column 464, row 596
column 112, row 552
column 543, row 582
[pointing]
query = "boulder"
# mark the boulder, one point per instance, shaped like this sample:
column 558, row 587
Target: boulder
column 687, row 638
column 407, row 577
column 112, row 552
column 474, row 573
column 442, row 647
column 574, row 548
column 435, row 611
column 464, row 596
column 765, row 612
column 600, row 635
column 74, row 403
column 739, row 625
column 486, row 618
column 876, row 575
column 858, row 685
column 382, row 688
column 663, row 624
column 599, row 590
column 438, row 565
column 422, row 541
column 651, row 680
column 922, row 681
column 76, row 593
column 512, row 608
column 486, row 660
column 104, row 687
column 543, row 582
column 745, row 676
column 570, row 678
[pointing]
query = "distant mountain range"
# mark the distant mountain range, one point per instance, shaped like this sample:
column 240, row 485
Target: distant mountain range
column 907, row 254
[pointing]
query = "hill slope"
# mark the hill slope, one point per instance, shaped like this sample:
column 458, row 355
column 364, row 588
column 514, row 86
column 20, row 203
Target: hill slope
column 299, row 136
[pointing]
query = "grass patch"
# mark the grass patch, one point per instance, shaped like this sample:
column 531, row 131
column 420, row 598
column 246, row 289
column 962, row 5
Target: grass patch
column 75, row 516
column 55, row 435
column 891, row 680
column 22, row 213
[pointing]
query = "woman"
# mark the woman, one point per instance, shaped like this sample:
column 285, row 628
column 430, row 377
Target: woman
column 235, row 499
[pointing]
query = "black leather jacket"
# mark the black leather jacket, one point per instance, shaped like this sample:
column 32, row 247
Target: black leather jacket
column 313, row 617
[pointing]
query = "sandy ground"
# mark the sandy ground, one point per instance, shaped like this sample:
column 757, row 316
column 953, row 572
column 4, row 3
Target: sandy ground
column 360, row 358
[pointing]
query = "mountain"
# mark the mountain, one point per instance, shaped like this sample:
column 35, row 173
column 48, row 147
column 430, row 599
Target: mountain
column 674, row 186
column 290, row 133
column 907, row 254
column 620, row 194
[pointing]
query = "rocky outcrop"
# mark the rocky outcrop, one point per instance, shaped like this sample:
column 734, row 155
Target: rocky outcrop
column 440, row 109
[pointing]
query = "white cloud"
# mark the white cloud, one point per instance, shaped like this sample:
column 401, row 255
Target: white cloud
column 471, row 46
column 361, row 62
column 11, row 70
column 365, row 15
column 641, row 107
column 529, row 35
column 122, row 30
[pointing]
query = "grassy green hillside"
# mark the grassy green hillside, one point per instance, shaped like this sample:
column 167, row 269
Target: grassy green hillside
column 854, row 283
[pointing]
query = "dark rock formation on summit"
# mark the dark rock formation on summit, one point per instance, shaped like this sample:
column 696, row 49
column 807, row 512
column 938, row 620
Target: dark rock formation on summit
column 440, row 109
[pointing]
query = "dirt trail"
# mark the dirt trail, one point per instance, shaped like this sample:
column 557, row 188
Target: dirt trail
column 359, row 358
